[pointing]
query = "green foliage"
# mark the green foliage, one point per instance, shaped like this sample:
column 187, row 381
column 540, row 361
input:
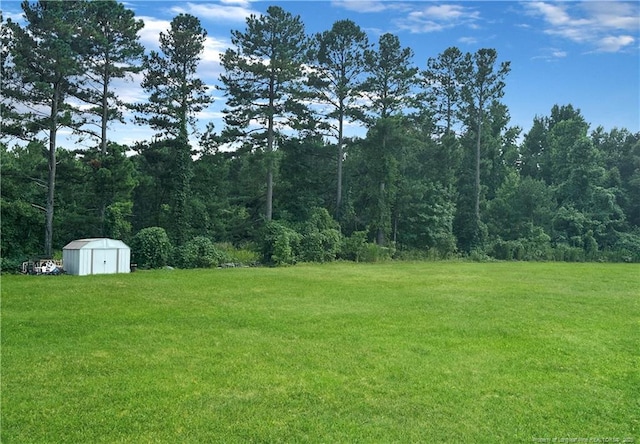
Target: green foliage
column 262, row 82
column 151, row 248
column 626, row 249
column 21, row 229
column 534, row 248
column 10, row 265
column 376, row 253
column 117, row 220
column 354, row 247
column 245, row 255
column 306, row 178
column 199, row 252
column 280, row 244
column 567, row 253
column 321, row 239
column 450, row 178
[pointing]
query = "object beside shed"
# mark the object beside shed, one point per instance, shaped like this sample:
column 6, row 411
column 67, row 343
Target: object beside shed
column 96, row 256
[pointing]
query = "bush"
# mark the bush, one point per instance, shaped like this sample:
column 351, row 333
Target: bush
column 10, row 266
column 320, row 246
column 245, row 255
column 280, row 244
column 199, row 252
column 535, row 247
column 151, row 248
column 321, row 239
column 478, row 255
column 354, row 247
column 626, row 249
column 566, row 253
column 376, row 253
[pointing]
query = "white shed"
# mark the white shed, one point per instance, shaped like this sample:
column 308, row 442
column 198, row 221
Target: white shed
column 96, row 256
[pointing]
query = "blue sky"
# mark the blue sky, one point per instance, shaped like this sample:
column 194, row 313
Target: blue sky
column 584, row 53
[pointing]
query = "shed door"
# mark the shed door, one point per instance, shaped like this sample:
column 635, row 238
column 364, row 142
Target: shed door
column 105, row 261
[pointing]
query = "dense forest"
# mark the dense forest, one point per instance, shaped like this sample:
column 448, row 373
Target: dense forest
column 438, row 173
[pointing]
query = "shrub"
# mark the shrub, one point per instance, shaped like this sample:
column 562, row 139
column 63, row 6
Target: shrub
column 535, row 247
column 478, row 255
column 566, row 253
column 354, row 247
column 199, row 252
column 243, row 255
column 117, row 223
column 376, row 253
column 626, row 249
column 320, row 246
column 280, row 244
column 10, row 266
column 151, row 247
column 321, row 239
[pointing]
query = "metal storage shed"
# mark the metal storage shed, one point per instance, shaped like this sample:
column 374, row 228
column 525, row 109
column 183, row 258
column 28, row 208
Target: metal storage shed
column 96, row 256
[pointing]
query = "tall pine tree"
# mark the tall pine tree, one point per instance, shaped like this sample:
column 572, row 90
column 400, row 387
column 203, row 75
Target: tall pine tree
column 176, row 95
column 389, row 88
column 336, row 79
column 262, row 80
column 41, row 75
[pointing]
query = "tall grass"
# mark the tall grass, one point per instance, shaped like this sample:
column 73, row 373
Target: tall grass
column 392, row 352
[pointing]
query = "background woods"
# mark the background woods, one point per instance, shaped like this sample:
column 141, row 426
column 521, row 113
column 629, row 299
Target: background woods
column 438, row 171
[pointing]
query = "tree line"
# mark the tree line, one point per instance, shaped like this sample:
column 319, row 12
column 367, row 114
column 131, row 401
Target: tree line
column 439, row 172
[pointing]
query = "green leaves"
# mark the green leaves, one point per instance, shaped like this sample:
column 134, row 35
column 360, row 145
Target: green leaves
column 151, row 248
column 391, row 79
column 176, row 93
column 261, row 82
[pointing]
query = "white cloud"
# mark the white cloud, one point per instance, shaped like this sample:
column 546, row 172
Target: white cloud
column 150, row 34
column 559, row 54
column 228, row 11
column 555, row 14
column 434, row 18
column 361, row 5
column 551, row 54
column 603, row 26
column 614, row 14
column 210, row 59
column 444, row 12
column 15, row 17
column 468, row 40
column 614, row 43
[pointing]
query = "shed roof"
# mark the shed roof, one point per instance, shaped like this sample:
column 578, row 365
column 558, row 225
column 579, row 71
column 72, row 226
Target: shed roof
column 96, row 243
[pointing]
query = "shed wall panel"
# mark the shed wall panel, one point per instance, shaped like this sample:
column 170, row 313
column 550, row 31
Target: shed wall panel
column 96, row 256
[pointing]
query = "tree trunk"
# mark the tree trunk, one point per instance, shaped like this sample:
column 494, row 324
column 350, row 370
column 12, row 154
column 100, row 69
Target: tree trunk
column 477, row 181
column 105, row 106
column 269, row 209
column 270, row 137
column 382, row 201
column 380, row 234
column 340, row 156
column 103, row 135
column 51, row 181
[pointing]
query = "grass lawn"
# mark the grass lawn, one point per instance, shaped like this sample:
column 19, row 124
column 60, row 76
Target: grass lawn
column 395, row 352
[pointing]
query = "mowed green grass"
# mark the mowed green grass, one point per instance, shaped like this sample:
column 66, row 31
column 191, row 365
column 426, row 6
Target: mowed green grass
column 393, row 352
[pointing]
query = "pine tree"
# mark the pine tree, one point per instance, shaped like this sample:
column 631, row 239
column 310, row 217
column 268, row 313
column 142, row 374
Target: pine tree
column 483, row 83
column 389, row 88
column 336, row 82
column 176, row 95
column 41, row 73
column 262, row 81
